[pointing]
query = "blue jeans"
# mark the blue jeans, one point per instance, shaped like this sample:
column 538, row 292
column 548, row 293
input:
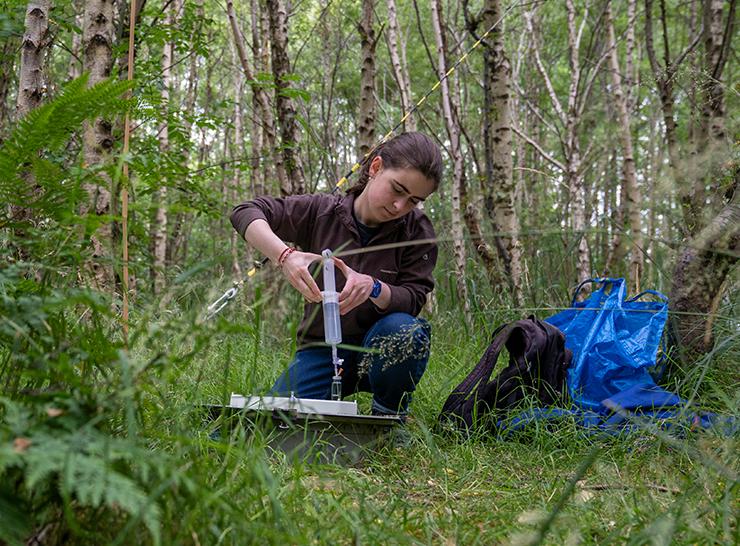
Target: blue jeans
column 399, row 345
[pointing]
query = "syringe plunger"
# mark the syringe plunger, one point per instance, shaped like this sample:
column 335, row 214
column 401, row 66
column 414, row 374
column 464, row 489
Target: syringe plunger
column 330, row 303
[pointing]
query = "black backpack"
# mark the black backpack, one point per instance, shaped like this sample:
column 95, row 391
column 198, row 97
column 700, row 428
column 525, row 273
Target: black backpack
column 538, row 361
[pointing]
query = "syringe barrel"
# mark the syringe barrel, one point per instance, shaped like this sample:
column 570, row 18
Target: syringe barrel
column 330, row 299
column 332, row 324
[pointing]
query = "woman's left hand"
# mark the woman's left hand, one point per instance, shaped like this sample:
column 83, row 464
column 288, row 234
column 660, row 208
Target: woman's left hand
column 356, row 290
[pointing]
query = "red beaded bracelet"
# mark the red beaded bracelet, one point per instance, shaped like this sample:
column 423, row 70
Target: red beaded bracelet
column 284, row 255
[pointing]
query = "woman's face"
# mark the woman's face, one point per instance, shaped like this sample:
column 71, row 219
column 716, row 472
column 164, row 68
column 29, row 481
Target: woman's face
column 392, row 193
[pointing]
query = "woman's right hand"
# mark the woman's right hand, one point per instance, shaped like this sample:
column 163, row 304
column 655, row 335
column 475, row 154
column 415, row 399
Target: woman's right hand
column 295, row 268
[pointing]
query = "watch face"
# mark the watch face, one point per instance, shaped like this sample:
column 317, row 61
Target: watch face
column 376, row 289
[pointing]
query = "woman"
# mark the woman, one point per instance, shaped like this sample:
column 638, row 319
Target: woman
column 381, row 291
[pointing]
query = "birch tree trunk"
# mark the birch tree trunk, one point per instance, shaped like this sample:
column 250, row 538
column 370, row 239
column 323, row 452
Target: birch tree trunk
column 574, row 174
column 97, row 44
column 158, row 231
column 499, row 162
column 718, row 32
column 568, row 121
column 286, row 111
column 36, row 40
column 400, row 69
column 366, row 121
column 629, row 175
column 453, row 132
column 237, row 152
column 266, row 119
column 474, row 201
column 256, row 134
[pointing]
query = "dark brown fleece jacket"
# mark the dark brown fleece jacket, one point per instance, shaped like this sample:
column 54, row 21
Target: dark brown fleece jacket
column 320, row 221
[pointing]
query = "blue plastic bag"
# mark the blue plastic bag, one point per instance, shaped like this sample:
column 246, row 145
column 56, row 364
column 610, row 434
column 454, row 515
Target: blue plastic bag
column 615, row 344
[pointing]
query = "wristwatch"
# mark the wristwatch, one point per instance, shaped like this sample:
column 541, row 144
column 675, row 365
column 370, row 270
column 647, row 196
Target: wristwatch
column 376, row 288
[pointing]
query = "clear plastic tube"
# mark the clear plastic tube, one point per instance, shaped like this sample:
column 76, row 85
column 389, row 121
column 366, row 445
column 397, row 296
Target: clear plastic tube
column 330, row 303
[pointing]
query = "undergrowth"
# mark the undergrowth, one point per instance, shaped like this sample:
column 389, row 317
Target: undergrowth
column 106, row 444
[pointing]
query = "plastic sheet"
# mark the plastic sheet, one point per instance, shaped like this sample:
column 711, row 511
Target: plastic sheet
column 615, row 344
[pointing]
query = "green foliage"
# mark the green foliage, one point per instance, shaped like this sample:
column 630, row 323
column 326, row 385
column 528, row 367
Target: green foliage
column 100, row 445
column 60, row 458
column 32, row 151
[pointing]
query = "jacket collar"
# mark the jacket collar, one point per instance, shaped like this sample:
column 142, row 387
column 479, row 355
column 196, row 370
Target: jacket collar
column 344, row 208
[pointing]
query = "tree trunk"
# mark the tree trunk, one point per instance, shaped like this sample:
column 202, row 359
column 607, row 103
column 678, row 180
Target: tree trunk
column 256, row 135
column 498, row 144
column 266, row 119
column 400, row 69
column 36, row 40
column 566, row 125
column 629, row 174
column 366, row 121
column 159, row 223
column 97, row 43
column 234, row 193
column 286, row 111
column 664, row 80
column 717, row 35
column 574, row 174
column 705, row 262
column 453, row 132
column 700, row 273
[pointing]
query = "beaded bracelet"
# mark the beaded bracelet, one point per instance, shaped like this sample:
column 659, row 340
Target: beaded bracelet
column 284, row 255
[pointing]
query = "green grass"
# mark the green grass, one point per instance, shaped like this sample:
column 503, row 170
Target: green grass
column 552, row 484
column 136, row 420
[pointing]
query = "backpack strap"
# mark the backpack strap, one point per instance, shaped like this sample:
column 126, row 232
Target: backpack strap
column 480, row 375
column 538, row 361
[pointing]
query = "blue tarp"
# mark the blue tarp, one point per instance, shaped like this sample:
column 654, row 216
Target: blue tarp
column 615, row 344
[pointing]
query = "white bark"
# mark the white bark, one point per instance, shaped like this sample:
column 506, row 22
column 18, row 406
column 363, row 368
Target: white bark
column 629, row 175
column 400, row 69
column 97, row 42
column 159, row 223
column 499, row 149
column 453, row 132
column 260, row 97
column 36, row 40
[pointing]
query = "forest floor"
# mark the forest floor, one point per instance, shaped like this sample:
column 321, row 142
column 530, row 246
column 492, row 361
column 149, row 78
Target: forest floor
column 546, row 484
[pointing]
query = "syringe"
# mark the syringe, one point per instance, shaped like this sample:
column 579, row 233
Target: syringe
column 332, row 324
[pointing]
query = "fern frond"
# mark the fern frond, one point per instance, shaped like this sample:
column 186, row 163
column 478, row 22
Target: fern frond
column 50, row 126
